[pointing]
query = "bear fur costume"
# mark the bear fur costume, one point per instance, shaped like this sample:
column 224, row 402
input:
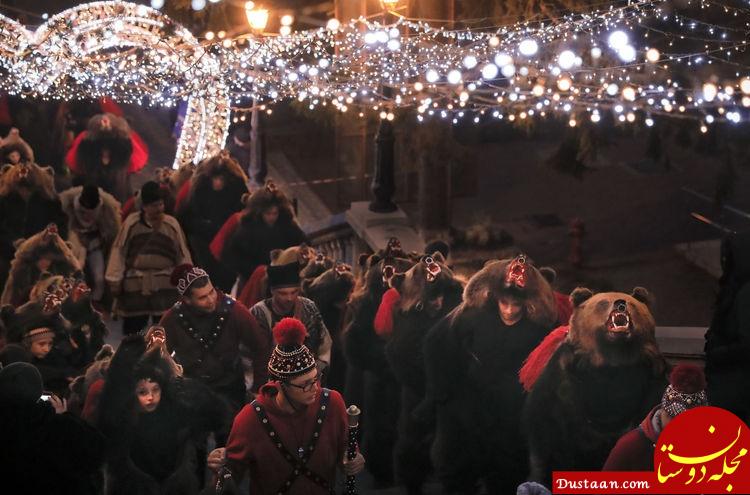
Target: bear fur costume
column 599, row 383
column 158, row 452
column 25, row 270
column 369, row 379
column 245, row 241
column 215, row 193
column 417, row 300
column 28, row 203
column 106, row 153
column 84, row 324
column 471, row 362
column 13, row 142
column 330, row 291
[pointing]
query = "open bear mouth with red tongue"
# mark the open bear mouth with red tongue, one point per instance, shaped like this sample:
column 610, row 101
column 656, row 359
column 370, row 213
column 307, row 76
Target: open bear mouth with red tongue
column 618, row 322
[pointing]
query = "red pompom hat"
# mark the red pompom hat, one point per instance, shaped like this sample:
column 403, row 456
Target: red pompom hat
column 290, row 357
column 686, row 390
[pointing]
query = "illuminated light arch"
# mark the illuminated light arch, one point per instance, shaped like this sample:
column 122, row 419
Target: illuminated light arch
column 124, row 51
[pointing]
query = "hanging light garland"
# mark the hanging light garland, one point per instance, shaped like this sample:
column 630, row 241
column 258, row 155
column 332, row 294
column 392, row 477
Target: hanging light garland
column 636, row 60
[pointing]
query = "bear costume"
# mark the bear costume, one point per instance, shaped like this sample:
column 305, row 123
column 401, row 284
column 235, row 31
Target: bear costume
column 369, row 379
column 84, row 324
column 158, row 451
column 246, row 240
column 28, row 203
column 106, row 153
column 418, row 299
column 603, row 378
column 330, row 292
column 214, row 193
column 42, row 253
column 472, row 357
column 14, row 150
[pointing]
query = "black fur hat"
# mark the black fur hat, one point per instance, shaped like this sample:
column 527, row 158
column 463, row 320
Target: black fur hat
column 89, row 198
column 282, row 276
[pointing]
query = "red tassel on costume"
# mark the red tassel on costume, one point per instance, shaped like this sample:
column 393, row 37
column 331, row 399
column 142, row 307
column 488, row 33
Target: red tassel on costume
column 71, row 158
column 536, row 361
column 383, row 322
column 224, row 233
column 127, row 208
column 254, row 290
column 139, row 157
column 183, row 196
column 289, row 331
column 564, row 308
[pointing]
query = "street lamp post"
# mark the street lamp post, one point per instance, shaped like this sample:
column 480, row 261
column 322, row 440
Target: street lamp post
column 257, row 18
column 383, row 180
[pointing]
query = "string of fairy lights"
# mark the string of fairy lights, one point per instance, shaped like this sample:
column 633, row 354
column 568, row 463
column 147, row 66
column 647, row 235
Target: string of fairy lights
column 637, row 59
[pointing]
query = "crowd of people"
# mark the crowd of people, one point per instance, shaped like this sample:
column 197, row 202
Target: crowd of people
column 469, row 381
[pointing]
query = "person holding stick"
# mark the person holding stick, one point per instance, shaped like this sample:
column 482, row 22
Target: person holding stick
column 294, row 435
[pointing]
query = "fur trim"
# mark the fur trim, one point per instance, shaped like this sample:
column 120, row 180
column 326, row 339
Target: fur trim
column 535, row 363
column 110, row 216
column 383, row 323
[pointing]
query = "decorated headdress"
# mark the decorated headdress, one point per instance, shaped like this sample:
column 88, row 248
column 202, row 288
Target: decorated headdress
column 183, row 276
column 290, row 357
column 686, row 390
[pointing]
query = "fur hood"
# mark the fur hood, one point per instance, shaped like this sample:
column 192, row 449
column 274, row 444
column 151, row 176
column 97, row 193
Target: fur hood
column 23, row 272
column 108, row 219
column 43, row 178
column 493, row 278
column 14, row 142
column 220, row 163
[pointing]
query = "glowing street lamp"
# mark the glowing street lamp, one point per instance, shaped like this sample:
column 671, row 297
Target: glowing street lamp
column 257, row 18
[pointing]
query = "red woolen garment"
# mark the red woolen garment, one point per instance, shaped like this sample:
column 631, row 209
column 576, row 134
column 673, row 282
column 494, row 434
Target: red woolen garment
column 249, row 447
column 564, row 308
column 138, row 158
column 383, row 323
column 224, row 233
column 634, row 450
column 537, row 360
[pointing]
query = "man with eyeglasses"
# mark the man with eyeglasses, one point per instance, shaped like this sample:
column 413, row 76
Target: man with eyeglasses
column 294, row 435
